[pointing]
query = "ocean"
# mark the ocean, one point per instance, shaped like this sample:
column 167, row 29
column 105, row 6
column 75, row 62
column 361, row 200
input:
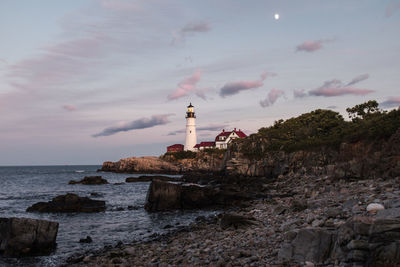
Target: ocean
column 20, row 187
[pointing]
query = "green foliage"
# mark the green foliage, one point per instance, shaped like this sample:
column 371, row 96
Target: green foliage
column 321, row 128
column 182, row 154
column 214, row 151
column 364, row 110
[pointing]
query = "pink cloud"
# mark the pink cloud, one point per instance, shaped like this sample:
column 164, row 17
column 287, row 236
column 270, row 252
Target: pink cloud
column 339, row 91
column 391, row 102
column 336, row 87
column 233, row 88
column 299, row 93
column 392, row 8
column 69, row 107
column 187, row 86
column 311, row 46
column 273, row 95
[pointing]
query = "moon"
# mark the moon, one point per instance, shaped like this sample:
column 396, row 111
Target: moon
column 276, row 16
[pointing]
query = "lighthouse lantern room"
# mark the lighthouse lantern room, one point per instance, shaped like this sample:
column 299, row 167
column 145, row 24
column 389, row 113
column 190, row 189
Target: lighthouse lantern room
column 191, row 138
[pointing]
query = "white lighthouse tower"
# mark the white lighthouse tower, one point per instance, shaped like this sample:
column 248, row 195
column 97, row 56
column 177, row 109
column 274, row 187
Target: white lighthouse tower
column 191, row 138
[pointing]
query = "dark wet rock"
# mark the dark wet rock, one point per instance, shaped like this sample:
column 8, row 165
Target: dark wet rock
column 90, row 180
column 389, row 213
column 118, row 183
column 148, row 178
column 235, row 221
column 163, row 195
column 24, row 237
column 313, row 244
column 299, row 205
column 167, row 226
column 88, row 239
column 361, row 240
column 95, row 194
column 69, row 203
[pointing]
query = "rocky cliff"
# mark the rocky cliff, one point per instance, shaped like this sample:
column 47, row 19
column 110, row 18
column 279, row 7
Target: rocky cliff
column 203, row 162
column 364, row 159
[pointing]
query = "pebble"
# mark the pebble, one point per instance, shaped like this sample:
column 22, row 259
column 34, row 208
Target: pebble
column 256, row 245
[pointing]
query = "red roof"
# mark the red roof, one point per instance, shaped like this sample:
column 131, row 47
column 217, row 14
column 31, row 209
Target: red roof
column 226, row 134
column 204, row 144
column 176, row 146
column 207, row 144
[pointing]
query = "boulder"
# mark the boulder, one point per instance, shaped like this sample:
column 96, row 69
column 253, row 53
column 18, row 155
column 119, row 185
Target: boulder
column 90, row 180
column 374, row 207
column 310, row 244
column 25, row 237
column 69, row 203
column 164, row 195
column 146, row 178
column 236, row 221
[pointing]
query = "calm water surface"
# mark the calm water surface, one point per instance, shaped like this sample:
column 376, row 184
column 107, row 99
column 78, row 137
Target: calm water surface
column 20, row 187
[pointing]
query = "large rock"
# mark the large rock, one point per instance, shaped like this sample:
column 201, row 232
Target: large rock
column 69, row 203
column 146, row 178
column 313, row 244
column 140, row 165
column 164, row 195
column 90, row 180
column 203, row 162
column 362, row 241
column 23, row 236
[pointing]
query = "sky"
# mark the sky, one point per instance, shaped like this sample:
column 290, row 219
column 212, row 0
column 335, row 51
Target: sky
column 86, row 81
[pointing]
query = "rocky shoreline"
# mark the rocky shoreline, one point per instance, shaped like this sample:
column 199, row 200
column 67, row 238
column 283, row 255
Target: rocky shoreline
column 283, row 222
column 202, row 163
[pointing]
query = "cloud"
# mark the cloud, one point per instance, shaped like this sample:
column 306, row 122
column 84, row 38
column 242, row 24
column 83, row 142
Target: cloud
column 335, row 87
column 392, row 8
column 299, row 93
column 332, row 107
column 273, row 95
column 187, row 86
column 358, row 79
column 212, row 127
column 233, row 88
column 391, row 102
column 191, row 29
column 196, row 27
column 142, row 123
column 311, row 46
column 69, row 107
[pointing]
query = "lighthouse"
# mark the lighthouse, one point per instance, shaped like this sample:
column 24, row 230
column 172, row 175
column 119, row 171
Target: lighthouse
column 191, row 138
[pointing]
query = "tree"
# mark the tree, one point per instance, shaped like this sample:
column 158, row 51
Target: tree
column 364, row 110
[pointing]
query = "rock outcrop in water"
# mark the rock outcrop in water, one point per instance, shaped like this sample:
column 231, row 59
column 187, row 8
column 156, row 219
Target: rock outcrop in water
column 25, row 237
column 69, row 203
column 203, row 162
column 146, row 178
column 359, row 160
column 90, row 180
column 163, row 195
